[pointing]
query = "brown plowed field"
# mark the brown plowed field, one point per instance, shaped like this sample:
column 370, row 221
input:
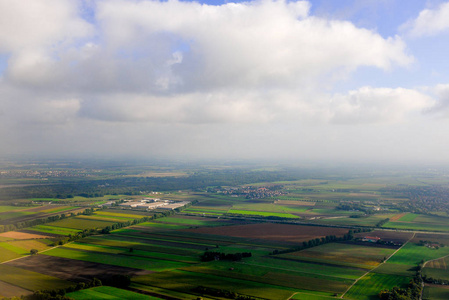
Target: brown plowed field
column 70, row 269
column 273, row 231
column 397, row 217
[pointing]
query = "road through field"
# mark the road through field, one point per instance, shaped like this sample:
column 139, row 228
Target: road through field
column 4, row 262
column 377, row 266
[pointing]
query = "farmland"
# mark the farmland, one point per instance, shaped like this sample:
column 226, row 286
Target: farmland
column 286, row 236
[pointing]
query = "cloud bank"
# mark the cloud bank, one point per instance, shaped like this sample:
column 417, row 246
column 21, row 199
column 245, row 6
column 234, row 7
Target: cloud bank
column 105, row 70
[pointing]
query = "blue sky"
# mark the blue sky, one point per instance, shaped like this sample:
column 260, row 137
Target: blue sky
column 299, row 80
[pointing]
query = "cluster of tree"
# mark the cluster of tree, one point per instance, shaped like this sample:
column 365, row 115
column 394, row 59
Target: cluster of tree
column 382, row 222
column 319, row 241
column 212, row 255
column 430, row 243
column 221, row 293
column 355, row 207
column 411, row 292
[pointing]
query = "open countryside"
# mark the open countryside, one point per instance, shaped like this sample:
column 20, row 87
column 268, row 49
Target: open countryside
column 282, row 238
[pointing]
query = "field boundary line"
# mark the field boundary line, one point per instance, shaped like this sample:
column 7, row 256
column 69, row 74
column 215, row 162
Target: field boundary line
column 377, row 266
column 27, row 255
column 425, row 263
column 304, row 272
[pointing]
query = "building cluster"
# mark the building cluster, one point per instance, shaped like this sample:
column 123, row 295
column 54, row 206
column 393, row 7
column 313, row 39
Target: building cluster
column 44, row 174
column 147, row 204
column 251, row 192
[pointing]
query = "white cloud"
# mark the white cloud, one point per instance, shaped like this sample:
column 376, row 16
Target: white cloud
column 378, row 105
column 180, row 75
column 36, row 34
column 260, row 43
column 429, row 22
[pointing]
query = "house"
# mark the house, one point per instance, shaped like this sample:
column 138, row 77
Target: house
column 371, row 239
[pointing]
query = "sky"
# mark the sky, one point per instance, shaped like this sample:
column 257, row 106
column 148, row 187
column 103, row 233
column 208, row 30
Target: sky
column 318, row 80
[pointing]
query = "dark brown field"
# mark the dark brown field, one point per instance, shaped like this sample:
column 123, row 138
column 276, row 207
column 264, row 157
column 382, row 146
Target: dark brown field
column 273, row 231
column 73, row 270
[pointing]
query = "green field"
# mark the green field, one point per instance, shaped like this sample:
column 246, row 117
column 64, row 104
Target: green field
column 30, row 280
column 5, row 208
column 369, row 286
column 191, row 221
column 54, row 229
column 183, row 281
column 396, row 269
column 412, row 254
column 436, row 273
column 107, row 293
column 117, row 260
column 261, row 213
column 435, row 293
column 59, row 209
column 340, row 253
column 80, row 223
column 14, row 214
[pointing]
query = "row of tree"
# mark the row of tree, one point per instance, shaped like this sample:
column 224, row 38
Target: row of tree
column 319, row 241
column 41, row 221
column 212, row 255
column 222, row 293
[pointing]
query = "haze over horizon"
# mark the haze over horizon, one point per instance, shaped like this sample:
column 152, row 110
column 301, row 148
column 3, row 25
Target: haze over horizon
column 314, row 80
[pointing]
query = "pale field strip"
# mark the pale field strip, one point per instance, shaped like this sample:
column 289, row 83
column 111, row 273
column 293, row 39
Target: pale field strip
column 377, row 266
column 425, row 263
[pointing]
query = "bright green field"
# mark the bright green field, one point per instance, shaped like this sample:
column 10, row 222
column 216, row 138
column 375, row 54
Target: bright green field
column 369, row 286
column 107, row 293
column 6, row 254
column 190, row 221
column 261, row 213
column 30, row 280
column 412, row 254
column 54, row 229
column 420, row 222
column 408, row 217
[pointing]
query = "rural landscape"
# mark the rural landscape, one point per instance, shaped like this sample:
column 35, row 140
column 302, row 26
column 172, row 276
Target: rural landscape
column 224, row 149
column 135, row 231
